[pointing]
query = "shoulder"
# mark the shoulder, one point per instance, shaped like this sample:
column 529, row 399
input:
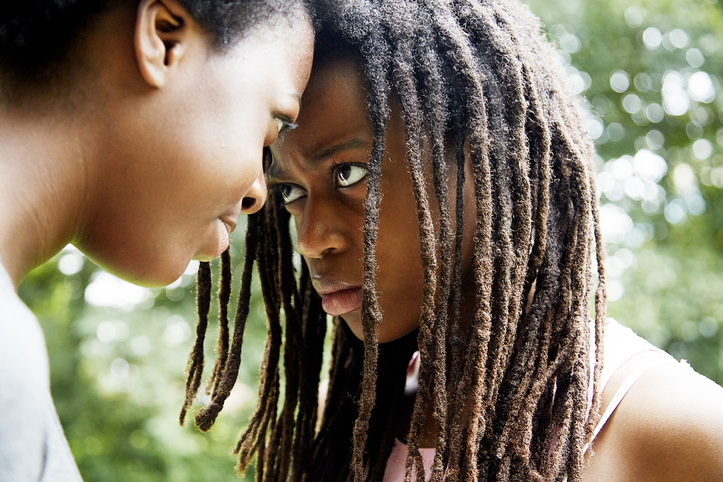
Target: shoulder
column 668, row 427
column 24, row 371
column 678, row 414
column 25, row 404
column 22, row 344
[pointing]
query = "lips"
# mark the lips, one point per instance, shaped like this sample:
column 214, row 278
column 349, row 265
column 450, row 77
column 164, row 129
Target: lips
column 338, row 297
column 230, row 219
column 229, row 225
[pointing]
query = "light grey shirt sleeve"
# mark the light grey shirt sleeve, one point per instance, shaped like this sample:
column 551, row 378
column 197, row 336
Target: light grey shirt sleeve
column 32, row 444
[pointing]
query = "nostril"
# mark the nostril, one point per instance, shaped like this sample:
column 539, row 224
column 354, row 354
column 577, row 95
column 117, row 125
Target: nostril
column 248, row 203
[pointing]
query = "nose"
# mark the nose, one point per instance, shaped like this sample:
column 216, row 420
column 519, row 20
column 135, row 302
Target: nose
column 255, row 197
column 319, row 229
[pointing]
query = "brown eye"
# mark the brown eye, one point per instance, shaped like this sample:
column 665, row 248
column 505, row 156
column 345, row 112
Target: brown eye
column 290, row 193
column 350, row 174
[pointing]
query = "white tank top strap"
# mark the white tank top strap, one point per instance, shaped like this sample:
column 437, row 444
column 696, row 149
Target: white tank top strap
column 620, row 394
column 621, row 346
column 618, row 397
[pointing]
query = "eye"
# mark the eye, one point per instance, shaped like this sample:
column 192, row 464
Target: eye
column 279, row 124
column 290, row 193
column 283, row 126
column 350, row 174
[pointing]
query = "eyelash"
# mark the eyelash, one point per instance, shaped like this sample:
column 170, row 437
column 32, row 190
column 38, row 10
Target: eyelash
column 279, row 188
column 288, row 126
column 335, row 168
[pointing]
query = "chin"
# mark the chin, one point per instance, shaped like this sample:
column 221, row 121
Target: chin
column 156, row 282
column 149, row 276
column 139, row 264
column 354, row 325
column 383, row 336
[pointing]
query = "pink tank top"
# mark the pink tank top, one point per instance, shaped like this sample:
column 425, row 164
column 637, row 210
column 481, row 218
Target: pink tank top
column 621, row 344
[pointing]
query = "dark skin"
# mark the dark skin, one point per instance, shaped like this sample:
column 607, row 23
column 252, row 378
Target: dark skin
column 150, row 146
column 670, row 425
column 311, row 164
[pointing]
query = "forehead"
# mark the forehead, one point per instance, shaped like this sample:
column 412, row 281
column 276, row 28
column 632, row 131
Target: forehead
column 334, row 110
column 280, row 37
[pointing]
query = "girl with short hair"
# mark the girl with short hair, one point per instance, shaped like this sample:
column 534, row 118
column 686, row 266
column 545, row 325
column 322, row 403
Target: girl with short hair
column 135, row 131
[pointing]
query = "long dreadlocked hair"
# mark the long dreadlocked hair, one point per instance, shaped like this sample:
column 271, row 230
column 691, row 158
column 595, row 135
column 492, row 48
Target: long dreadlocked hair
column 476, row 79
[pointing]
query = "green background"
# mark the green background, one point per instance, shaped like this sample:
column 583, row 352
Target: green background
column 649, row 73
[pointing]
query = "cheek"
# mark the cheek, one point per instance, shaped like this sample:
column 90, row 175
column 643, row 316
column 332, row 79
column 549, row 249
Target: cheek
column 233, row 125
column 469, row 226
column 241, row 137
column 231, row 159
column 242, row 163
column 400, row 276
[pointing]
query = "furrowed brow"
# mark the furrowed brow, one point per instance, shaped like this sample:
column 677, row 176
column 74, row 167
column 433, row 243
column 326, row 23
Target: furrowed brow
column 275, row 172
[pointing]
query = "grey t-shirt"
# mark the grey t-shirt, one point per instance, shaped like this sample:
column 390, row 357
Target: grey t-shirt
column 32, row 444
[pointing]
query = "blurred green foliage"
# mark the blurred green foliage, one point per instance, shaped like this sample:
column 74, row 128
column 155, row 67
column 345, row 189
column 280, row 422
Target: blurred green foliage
column 117, row 355
column 650, row 72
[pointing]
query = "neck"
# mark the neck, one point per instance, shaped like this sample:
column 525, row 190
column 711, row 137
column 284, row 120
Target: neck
column 41, row 187
column 428, row 433
column 60, row 151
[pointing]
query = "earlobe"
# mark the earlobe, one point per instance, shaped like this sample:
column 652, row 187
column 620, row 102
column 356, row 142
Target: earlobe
column 161, row 26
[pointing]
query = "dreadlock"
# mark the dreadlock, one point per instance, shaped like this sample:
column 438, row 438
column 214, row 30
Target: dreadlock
column 479, row 87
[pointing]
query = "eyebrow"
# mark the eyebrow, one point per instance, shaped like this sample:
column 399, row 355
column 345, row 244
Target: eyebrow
column 275, row 172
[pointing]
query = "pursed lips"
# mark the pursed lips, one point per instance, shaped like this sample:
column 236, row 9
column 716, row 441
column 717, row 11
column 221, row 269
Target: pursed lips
column 230, row 218
column 337, row 297
column 229, row 223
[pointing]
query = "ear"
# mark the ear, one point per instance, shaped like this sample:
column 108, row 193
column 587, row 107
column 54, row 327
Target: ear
column 163, row 28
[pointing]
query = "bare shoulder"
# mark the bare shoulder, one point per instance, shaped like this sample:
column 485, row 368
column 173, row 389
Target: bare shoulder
column 678, row 414
column 669, row 427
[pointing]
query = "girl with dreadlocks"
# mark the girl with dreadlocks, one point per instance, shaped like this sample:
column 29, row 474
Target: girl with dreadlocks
column 443, row 195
